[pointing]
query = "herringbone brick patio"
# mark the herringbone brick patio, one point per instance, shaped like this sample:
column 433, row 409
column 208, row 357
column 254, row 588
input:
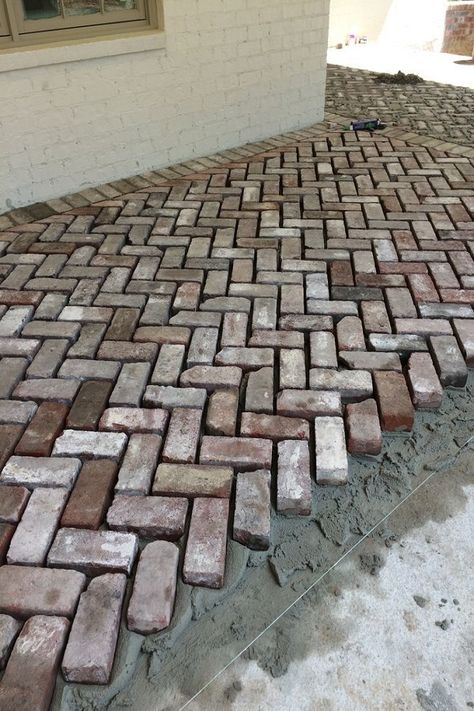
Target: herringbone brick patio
column 180, row 359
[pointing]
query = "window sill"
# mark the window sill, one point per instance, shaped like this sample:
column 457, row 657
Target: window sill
column 78, row 50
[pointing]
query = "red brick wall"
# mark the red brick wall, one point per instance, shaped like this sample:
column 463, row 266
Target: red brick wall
column 459, row 28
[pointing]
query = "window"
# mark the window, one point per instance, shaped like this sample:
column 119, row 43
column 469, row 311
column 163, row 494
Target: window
column 31, row 22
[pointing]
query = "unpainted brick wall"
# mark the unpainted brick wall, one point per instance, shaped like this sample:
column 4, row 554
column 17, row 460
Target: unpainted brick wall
column 459, row 30
column 232, row 71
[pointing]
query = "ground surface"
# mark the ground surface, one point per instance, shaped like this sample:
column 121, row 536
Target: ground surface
column 264, row 316
column 374, row 635
column 439, row 110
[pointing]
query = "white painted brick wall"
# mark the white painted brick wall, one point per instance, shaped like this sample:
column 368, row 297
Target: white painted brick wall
column 232, row 71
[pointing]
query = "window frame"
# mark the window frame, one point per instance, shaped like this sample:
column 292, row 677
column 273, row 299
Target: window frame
column 23, row 33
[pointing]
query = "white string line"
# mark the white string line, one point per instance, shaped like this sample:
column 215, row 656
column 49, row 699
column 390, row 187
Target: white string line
column 321, row 577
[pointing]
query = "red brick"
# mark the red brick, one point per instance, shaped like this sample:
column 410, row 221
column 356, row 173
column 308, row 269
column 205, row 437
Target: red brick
column 6, row 533
column 91, row 495
column 426, row 390
column 464, row 331
column 423, row 288
column 46, row 425
column 38, row 650
column 149, row 516
column 243, row 453
column 183, row 435
column 394, row 401
column 193, row 480
column 90, row 650
column 211, row 378
column 449, row 361
column 252, row 517
column 12, row 503
column 331, row 456
column 134, row 419
column 363, row 427
column 274, row 427
column 9, row 628
column 27, row 591
column 222, row 412
column 204, row 562
column 93, row 552
column 151, row 605
column 294, row 478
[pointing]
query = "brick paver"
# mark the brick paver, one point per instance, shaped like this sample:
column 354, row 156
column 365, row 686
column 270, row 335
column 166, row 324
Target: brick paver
column 198, row 345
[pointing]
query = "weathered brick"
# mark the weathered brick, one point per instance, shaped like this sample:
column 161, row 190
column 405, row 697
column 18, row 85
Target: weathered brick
column 274, row 427
column 32, row 472
column 163, row 334
column 204, row 562
column 426, row 390
column 6, row 533
column 364, row 435
column 90, row 649
column 294, row 481
column 449, row 361
column 132, row 419
column 9, row 629
column 15, row 412
column 308, row 403
column 39, row 436
column 350, row 334
column 38, row 649
column 193, row 480
column 151, row 605
column 90, row 445
column 245, row 358
column 356, row 360
column 9, row 436
column 222, row 412
column 331, row 455
column 211, row 377
column 170, row 397
column 13, row 500
column 252, row 517
column 259, row 391
column 352, row 385
column 139, row 463
column 292, row 368
column 243, row 453
column 323, row 350
column 149, row 516
column 423, row 326
column 35, row 532
column 394, row 401
column 464, row 331
column 168, row 366
column 234, row 330
column 27, row 591
column 47, row 389
column 91, row 495
column 402, row 344
column 183, row 435
column 93, row 552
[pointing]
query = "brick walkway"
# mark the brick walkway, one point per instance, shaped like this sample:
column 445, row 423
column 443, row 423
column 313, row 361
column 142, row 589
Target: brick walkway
column 178, row 360
column 438, row 110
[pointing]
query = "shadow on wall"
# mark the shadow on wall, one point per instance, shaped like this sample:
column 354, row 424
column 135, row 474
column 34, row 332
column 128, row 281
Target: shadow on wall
column 418, row 24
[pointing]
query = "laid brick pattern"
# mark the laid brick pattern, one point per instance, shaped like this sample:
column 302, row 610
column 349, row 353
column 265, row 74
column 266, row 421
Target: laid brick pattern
column 181, row 358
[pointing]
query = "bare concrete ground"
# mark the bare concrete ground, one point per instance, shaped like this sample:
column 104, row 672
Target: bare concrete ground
column 359, row 639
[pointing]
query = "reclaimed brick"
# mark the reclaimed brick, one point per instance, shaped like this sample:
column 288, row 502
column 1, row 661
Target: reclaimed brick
column 352, row 385
column 90, row 649
column 350, row 334
column 245, row 358
column 169, row 364
column 38, row 649
column 193, row 480
column 163, row 334
column 426, row 390
column 130, row 385
column 331, row 454
column 93, row 552
column 27, row 591
column 259, row 391
column 402, row 344
column 149, row 516
column 183, row 435
column 33, row 535
column 364, row 435
column 464, row 331
column 134, row 419
column 170, row 397
column 58, row 390
column 18, row 413
column 294, row 478
column 423, row 326
column 11, row 372
column 90, row 445
column 152, row 602
column 9, row 629
column 91, row 495
column 89, row 404
column 32, row 472
column 222, row 412
column 323, row 350
column 6, row 534
column 449, row 361
column 234, row 330
column 204, row 562
column 39, row 436
column 356, row 360
column 13, row 500
column 274, row 427
column 394, row 402
column 211, row 377
column 243, row 453
column 139, row 464
column 252, row 517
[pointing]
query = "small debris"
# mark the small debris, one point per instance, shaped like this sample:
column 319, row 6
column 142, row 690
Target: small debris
column 398, row 78
column 443, row 624
column 420, row 601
